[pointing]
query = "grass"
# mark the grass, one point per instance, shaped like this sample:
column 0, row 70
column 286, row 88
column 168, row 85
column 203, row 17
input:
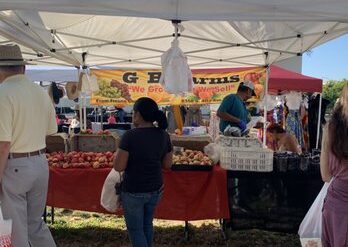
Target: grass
column 81, row 229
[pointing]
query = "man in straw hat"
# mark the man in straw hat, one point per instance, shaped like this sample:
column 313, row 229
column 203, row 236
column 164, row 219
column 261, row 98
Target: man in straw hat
column 27, row 117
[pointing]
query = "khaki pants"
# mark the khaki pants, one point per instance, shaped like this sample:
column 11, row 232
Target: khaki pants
column 23, row 199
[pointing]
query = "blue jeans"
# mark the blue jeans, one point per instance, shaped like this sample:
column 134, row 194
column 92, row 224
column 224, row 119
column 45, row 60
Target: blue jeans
column 139, row 209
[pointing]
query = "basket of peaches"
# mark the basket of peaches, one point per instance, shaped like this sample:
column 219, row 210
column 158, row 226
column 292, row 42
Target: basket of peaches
column 77, row 159
column 191, row 160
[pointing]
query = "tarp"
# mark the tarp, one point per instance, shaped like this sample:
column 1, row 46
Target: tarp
column 216, row 34
column 284, row 80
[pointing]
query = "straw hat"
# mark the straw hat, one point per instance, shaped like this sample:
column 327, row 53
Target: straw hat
column 72, row 90
column 11, row 55
column 55, row 93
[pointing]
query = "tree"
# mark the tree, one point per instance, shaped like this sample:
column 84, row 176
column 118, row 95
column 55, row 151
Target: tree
column 332, row 90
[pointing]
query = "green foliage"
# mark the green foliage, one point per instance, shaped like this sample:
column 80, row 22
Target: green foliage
column 332, row 90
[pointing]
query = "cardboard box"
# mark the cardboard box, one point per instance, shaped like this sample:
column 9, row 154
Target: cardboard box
column 94, row 143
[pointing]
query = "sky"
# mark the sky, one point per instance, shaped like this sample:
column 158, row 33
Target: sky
column 328, row 61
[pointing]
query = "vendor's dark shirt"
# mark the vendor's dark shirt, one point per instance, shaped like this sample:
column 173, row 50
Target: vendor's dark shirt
column 147, row 148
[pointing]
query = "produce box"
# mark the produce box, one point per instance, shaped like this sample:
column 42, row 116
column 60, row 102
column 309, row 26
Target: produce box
column 192, row 168
column 191, row 142
column 239, row 142
column 246, row 159
column 94, row 143
column 57, row 142
column 191, row 160
column 80, row 159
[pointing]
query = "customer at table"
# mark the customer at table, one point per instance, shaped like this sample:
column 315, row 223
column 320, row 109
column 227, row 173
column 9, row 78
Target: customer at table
column 284, row 141
column 334, row 164
column 75, row 122
column 112, row 119
column 27, row 116
column 142, row 154
column 121, row 114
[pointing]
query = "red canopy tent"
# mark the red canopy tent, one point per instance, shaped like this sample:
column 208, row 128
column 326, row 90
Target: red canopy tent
column 280, row 79
column 284, row 80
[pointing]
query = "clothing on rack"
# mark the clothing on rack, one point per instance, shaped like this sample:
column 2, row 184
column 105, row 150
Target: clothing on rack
column 294, row 126
column 313, row 115
column 193, row 116
column 293, row 100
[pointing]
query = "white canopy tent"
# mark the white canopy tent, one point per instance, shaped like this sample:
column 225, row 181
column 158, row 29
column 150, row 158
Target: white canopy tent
column 216, row 33
column 135, row 33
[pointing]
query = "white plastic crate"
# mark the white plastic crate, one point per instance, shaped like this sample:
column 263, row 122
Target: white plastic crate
column 239, row 142
column 239, row 159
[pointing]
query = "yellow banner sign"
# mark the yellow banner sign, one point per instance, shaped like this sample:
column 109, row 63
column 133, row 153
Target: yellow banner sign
column 122, row 87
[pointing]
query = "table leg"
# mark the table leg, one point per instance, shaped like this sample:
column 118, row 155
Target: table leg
column 223, row 228
column 52, row 215
column 45, row 215
column 187, row 233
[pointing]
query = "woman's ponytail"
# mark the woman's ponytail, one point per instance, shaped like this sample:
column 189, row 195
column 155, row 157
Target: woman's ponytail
column 149, row 111
column 161, row 120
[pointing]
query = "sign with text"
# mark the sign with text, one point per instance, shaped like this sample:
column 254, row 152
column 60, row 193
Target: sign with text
column 122, row 87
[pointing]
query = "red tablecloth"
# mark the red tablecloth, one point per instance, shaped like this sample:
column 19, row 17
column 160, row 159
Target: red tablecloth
column 188, row 195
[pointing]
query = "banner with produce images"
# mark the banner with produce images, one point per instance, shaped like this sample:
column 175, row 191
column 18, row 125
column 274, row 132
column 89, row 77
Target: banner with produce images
column 122, row 87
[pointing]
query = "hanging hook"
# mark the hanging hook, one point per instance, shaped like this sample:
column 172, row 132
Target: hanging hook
column 84, row 54
column 53, row 32
column 176, row 28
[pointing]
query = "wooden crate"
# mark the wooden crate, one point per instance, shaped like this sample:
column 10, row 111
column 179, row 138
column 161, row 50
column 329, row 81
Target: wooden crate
column 191, row 142
column 94, row 143
column 57, row 142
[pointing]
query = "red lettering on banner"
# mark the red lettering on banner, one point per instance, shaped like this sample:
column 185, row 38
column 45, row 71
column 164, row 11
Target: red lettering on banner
column 155, row 89
column 136, row 89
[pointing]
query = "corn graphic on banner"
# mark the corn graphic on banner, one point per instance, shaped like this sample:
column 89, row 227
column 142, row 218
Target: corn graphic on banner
column 123, row 87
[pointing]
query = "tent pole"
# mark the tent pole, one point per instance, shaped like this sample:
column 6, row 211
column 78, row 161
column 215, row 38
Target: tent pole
column 80, row 112
column 101, row 116
column 110, row 63
column 104, row 40
column 235, row 62
column 140, row 47
column 241, row 45
column 319, row 121
column 84, row 46
column 85, row 112
column 265, row 106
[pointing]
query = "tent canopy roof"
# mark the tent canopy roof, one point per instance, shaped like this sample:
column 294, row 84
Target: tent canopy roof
column 132, row 34
column 284, row 80
column 217, row 10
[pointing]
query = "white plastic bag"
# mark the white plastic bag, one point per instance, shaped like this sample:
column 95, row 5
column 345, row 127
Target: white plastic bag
column 89, row 84
column 176, row 77
column 5, row 231
column 213, row 151
column 109, row 199
column 310, row 228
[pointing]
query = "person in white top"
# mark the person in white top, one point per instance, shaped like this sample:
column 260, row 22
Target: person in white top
column 27, row 117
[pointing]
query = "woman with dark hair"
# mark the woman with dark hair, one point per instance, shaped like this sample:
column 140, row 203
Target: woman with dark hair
column 334, row 164
column 285, row 141
column 142, row 154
